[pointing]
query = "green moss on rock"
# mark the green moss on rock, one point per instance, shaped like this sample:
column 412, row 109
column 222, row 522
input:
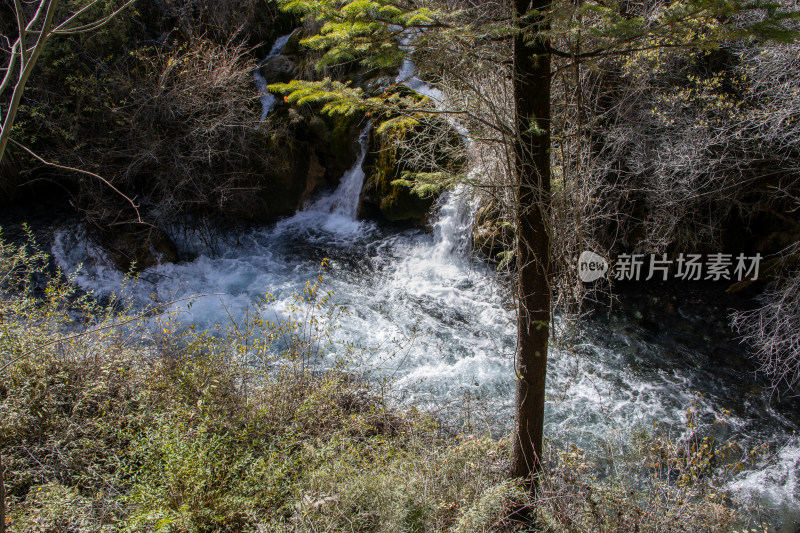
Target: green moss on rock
column 385, row 193
column 394, row 202
column 491, row 234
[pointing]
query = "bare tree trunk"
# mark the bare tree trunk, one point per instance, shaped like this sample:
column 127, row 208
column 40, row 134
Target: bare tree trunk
column 27, row 59
column 2, row 498
column 532, row 165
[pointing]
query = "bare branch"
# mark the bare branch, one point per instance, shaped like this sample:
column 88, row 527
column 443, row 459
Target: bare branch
column 80, row 171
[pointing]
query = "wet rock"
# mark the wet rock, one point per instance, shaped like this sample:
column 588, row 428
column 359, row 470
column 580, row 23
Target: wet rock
column 136, row 246
column 279, row 69
column 293, row 46
column 491, row 235
column 650, row 324
column 308, row 153
column 387, row 161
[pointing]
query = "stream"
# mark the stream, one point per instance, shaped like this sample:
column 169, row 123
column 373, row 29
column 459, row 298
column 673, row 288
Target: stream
column 440, row 325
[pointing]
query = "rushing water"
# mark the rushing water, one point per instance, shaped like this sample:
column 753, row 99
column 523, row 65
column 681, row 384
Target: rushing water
column 443, row 329
column 441, row 325
column 344, row 200
column 268, row 100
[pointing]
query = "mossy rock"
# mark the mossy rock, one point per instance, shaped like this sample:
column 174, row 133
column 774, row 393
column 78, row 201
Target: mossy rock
column 293, row 46
column 281, row 187
column 279, row 69
column 394, row 202
column 292, row 156
column 343, row 146
column 382, row 196
column 491, row 235
column 307, row 153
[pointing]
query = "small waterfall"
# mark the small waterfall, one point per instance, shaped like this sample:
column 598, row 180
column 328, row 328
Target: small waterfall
column 452, row 230
column 268, row 100
column 408, row 77
column 344, row 200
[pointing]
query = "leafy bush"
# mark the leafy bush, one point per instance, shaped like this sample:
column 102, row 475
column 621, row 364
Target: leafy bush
column 108, row 423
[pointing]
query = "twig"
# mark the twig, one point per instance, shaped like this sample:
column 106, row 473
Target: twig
column 101, row 328
column 81, row 171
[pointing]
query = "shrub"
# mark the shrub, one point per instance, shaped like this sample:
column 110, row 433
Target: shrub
column 108, row 423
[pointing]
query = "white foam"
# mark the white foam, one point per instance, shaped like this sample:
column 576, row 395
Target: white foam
column 775, row 484
column 458, row 331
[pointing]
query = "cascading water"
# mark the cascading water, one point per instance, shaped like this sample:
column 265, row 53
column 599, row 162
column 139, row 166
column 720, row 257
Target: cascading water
column 268, row 99
column 344, row 200
column 442, row 327
column 452, row 229
column 408, row 77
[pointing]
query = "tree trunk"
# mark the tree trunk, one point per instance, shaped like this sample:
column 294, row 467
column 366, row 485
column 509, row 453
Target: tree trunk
column 532, row 165
column 2, row 499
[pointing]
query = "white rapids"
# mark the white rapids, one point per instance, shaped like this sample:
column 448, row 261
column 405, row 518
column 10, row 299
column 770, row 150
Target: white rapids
column 440, row 325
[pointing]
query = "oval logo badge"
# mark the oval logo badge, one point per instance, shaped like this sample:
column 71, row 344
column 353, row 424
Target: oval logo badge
column 591, row 267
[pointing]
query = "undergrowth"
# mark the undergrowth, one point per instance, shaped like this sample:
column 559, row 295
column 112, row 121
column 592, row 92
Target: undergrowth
column 110, row 424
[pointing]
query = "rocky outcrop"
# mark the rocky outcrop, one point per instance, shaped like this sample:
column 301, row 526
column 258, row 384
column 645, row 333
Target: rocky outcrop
column 307, row 153
column 135, row 247
column 383, row 199
column 390, row 157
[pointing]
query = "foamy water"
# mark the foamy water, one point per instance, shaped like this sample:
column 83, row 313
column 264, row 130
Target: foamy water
column 440, row 325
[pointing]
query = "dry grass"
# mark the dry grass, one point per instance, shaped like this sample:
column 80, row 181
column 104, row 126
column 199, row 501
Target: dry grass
column 109, row 425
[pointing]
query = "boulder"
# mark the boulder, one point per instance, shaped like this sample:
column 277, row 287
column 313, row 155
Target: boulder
column 137, row 246
column 386, row 163
column 307, row 153
column 279, row 69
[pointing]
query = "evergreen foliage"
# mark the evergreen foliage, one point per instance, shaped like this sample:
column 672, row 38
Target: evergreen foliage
column 366, row 31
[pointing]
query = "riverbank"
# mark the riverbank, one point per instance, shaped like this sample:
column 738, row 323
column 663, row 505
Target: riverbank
column 117, row 426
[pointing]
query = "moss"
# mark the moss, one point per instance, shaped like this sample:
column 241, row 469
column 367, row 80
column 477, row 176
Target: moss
column 344, row 132
column 293, row 46
column 491, row 234
column 396, row 202
column 384, row 192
